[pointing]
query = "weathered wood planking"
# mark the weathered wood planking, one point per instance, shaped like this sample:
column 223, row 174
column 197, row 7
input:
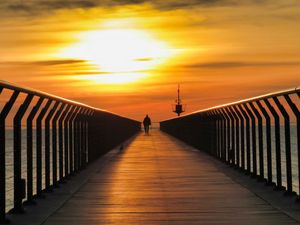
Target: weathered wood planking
column 157, row 180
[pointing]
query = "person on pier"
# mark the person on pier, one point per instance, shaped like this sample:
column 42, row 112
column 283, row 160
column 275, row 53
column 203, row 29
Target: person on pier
column 147, row 123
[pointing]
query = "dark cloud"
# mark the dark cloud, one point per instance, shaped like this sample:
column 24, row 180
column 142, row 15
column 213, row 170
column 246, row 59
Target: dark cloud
column 19, row 7
column 46, row 5
column 66, row 4
column 46, row 62
column 173, row 5
column 216, row 65
column 143, row 59
column 58, row 62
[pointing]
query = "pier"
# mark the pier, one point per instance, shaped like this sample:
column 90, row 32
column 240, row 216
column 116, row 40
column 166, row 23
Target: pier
column 208, row 167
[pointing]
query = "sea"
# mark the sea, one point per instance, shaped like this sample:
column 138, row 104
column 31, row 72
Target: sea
column 9, row 163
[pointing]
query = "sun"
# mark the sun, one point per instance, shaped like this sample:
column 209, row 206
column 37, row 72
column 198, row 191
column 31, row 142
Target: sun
column 121, row 55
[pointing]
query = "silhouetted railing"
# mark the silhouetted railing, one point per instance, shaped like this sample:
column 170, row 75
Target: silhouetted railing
column 78, row 134
column 249, row 134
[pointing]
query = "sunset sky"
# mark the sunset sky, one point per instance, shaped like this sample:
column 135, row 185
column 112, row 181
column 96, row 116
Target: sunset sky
column 128, row 56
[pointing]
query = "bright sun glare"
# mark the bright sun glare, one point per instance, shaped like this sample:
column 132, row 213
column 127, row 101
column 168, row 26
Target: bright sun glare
column 123, row 55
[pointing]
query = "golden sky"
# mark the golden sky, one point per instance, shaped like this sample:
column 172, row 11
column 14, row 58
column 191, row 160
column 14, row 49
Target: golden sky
column 128, row 56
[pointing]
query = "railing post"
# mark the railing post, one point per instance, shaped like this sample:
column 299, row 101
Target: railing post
column 82, row 130
column 297, row 114
column 66, row 141
column 215, row 119
column 237, row 134
column 248, row 170
column 260, row 142
column 85, row 149
column 223, row 135
column 18, row 192
column 39, row 149
column 242, row 136
column 90, row 114
column 60, row 144
column 54, row 143
column 232, row 149
column 277, row 145
column 253, row 131
column 77, row 139
column 227, row 149
column 71, row 138
column 212, row 133
column 268, row 141
column 47, row 146
column 29, row 125
column 215, row 124
column 287, row 145
column 83, row 138
column 4, row 113
column 217, row 132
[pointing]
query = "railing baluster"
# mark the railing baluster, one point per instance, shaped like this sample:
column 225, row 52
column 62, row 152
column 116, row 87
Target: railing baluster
column 77, row 139
column 47, row 146
column 231, row 149
column 39, row 149
column 212, row 127
column 223, row 135
column 287, row 145
column 29, row 124
column 277, row 145
column 227, row 135
column 4, row 113
column 90, row 115
column 253, row 132
column 260, row 142
column 71, row 139
column 60, row 144
column 66, row 141
column 83, row 139
column 76, row 133
column 216, row 120
column 247, row 118
column 237, row 135
column 297, row 114
column 54, row 144
column 18, row 208
column 242, row 136
column 268, row 141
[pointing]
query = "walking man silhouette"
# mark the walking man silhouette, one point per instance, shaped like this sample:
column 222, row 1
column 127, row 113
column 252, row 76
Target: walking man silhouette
column 146, row 123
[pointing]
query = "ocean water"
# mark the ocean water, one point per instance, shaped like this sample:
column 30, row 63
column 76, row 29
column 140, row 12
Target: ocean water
column 294, row 155
column 9, row 163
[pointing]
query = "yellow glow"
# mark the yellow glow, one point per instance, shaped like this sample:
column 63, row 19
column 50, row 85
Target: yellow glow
column 113, row 78
column 124, row 54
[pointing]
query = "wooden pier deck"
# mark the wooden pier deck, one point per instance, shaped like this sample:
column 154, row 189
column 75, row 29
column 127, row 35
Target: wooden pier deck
column 158, row 180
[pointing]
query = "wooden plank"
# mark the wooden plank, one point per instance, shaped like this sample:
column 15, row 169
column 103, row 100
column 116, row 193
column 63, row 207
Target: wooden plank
column 157, row 180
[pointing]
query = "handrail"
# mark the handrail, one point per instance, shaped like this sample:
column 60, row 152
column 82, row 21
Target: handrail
column 17, row 87
column 256, row 98
column 240, row 134
column 80, row 133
